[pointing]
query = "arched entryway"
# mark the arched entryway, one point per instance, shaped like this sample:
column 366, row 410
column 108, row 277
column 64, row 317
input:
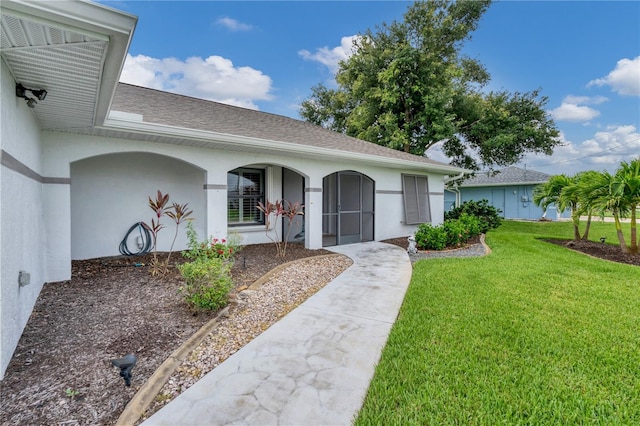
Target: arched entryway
column 109, row 194
column 347, row 208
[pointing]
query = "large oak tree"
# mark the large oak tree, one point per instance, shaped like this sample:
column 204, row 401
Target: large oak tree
column 407, row 87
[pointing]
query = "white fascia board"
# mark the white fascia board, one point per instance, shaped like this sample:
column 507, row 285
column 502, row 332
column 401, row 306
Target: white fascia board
column 121, row 124
column 480, row 185
column 93, row 20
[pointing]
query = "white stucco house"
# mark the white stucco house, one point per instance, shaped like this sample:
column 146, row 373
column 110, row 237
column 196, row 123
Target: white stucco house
column 78, row 163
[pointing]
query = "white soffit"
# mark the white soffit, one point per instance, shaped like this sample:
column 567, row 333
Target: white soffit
column 74, row 50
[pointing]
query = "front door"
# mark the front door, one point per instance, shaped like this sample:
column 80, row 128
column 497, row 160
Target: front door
column 347, row 208
column 497, row 200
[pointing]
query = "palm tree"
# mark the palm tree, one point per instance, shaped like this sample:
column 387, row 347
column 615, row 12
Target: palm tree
column 628, row 184
column 606, row 194
column 561, row 190
column 547, row 193
column 585, row 180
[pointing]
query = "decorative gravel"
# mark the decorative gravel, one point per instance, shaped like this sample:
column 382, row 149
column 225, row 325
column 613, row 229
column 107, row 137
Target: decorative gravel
column 473, row 250
column 250, row 313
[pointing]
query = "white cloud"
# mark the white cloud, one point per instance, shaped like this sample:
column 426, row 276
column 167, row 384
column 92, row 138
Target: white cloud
column 624, row 79
column 568, row 111
column 585, row 100
column 233, row 24
column 214, row 78
column 604, row 151
column 331, row 57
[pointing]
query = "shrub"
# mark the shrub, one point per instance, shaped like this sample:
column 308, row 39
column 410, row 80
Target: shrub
column 211, row 249
column 455, row 232
column 430, row 237
column 489, row 216
column 472, row 224
column 207, row 283
column 452, row 233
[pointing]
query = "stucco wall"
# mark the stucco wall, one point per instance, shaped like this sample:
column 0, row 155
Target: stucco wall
column 109, row 194
column 22, row 229
column 95, row 188
column 60, row 150
column 517, row 204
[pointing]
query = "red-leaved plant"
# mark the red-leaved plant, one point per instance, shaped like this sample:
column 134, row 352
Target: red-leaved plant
column 178, row 213
column 284, row 209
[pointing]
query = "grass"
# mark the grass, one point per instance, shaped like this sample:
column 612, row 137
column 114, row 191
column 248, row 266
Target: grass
column 531, row 334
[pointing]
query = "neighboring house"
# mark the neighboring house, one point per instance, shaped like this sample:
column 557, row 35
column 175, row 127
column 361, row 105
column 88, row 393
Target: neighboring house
column 509, row 189
column 78, row 165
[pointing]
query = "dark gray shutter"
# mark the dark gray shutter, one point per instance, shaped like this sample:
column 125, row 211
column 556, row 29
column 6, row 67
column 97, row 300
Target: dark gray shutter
column 415, row 191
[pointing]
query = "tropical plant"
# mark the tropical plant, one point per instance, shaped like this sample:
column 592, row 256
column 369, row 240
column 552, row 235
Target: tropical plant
column 158, row 206
column 596, row 193
column 628, row 181
column 586, row 202
column 605, row 195
column 278, row 209
column 178, row 213
column 488, row 215
column 561, row 190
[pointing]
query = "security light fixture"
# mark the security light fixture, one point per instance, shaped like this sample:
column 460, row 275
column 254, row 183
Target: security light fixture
column 21, row 92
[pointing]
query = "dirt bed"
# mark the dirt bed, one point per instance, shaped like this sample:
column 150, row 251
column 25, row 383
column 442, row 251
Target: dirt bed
column 61, row 373
column 600, row 250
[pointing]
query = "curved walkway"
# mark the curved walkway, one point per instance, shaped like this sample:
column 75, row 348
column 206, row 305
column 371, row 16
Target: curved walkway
column 314, row 365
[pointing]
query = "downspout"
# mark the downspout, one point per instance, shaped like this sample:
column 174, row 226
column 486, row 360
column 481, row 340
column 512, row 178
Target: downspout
column 456, row 191
column 455, row 188
column 451, row 179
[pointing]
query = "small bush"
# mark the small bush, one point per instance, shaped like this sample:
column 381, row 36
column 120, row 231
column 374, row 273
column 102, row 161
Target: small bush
column 207, row 283
column 430, row 237
column 452, row 233
column 489, row 216
column 472, row 224
column 455, row 232
column 211, row 249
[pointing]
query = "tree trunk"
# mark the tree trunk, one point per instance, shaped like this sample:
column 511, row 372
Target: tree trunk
column 575, row 218
column 623, row 244
column 634, row 234
column 585, row 236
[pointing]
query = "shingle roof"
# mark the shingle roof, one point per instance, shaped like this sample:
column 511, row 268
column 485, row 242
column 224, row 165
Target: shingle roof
column 507, row 176
column 172, row 109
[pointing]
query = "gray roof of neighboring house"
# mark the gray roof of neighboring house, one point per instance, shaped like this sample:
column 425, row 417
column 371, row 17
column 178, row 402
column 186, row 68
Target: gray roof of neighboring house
column 507, row 176
column 170, row 109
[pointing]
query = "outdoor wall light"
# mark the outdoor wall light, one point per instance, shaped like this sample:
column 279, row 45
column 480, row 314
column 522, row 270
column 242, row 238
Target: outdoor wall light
column 125, row 364
column 21, row 92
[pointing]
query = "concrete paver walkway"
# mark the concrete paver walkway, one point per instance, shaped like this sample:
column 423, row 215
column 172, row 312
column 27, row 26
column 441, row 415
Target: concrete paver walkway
column 313, row 366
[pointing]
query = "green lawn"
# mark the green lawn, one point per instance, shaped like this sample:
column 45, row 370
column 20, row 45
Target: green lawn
column 531, row 334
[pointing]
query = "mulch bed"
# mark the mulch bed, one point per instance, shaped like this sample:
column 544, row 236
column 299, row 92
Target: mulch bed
column 61, row 371
column 600, row 250
column 110, row 308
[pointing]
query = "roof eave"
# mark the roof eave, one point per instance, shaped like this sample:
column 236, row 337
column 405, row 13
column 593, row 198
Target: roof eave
column 88, row 17
column 478, row 185
column 122, row 124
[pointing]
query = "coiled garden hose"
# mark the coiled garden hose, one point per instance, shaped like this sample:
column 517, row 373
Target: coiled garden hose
column 145, row 236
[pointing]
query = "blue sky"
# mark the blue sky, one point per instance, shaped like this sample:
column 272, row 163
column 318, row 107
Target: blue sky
column 266, row 55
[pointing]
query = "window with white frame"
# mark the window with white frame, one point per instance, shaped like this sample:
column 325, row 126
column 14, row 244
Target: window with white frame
column 245, row 188
column 415, row 192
